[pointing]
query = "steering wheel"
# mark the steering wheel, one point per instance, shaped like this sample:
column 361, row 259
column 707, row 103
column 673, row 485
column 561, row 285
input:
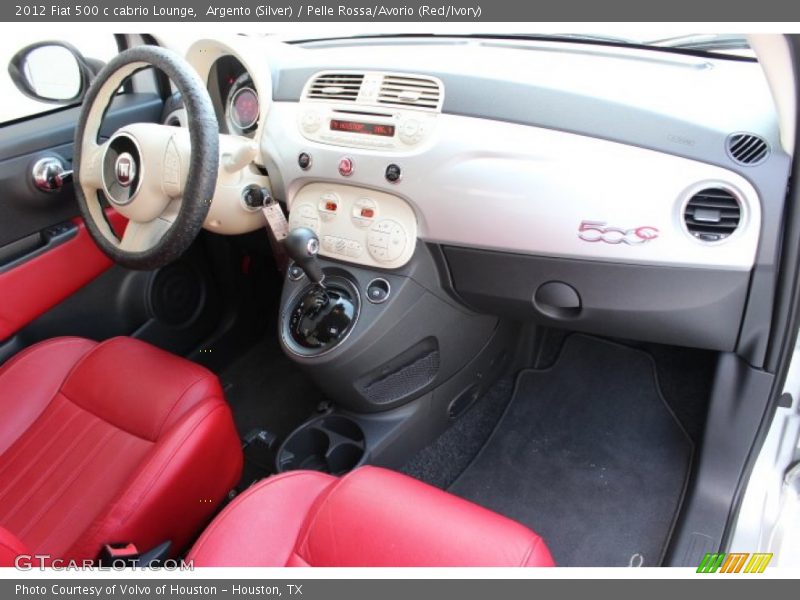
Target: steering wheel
column 161, row 178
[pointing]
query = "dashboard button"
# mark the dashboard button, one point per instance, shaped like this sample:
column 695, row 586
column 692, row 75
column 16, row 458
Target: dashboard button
column 304, row 215
column 311, row 121
column 328, row 205
column 353, row 249
column 346, row 166
column 387, row 240
column 409, row 131
column 378, row 291
column 304, row 160
column 378, row 253
column 383, row 226
column 364, row 212
column 393, row 173
column 312, row 224
column 378, row 239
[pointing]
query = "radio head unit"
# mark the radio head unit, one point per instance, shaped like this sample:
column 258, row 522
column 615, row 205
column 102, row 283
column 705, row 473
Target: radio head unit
column 371, row 110
column 362, row 127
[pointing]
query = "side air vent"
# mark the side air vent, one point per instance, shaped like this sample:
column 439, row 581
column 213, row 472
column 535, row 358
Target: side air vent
column 414, row 92
column 337, row 87
column 747, row 149
column 712, row 214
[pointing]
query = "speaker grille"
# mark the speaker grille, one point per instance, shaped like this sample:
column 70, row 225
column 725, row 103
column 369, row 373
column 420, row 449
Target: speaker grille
column 177, row 294
column 404, row 381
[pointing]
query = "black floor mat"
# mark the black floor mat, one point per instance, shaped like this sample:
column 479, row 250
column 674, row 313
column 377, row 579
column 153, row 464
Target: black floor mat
column 441, row 462
column 588, row 455
column 266, row 390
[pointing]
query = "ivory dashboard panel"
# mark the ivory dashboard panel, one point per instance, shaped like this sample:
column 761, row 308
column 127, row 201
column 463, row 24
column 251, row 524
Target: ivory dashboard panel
column 356, row 224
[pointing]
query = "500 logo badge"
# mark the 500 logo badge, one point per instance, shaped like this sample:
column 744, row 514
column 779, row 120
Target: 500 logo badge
column 597, row 231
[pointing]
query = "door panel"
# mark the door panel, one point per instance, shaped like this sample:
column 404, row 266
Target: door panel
column 35, row 282
column 46, row 253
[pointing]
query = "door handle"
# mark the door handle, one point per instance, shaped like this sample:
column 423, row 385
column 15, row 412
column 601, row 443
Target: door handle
column 49, row 175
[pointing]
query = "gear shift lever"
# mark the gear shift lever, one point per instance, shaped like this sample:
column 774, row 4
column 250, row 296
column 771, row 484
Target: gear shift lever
column 320, row 316
column 302, row 246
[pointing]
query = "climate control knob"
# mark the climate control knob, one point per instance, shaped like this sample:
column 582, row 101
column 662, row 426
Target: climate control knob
column 386, row 241
column 304, row 215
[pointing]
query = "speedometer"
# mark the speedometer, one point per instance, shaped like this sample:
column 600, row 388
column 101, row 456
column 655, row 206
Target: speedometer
column 242, row 108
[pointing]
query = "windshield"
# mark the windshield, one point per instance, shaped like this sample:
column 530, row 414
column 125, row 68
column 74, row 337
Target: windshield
column 712, row 43
column 724, row 44
column 720, row 43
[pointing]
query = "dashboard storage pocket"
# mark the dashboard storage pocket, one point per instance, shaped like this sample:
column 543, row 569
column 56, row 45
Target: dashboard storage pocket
column 332, row 444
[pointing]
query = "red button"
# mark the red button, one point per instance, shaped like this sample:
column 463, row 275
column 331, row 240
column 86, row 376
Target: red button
column 345, row 167
column 331, row 206
column 367, row 213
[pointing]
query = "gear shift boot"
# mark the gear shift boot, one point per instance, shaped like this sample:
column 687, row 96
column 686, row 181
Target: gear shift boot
column 324, row 312
column 322, row 317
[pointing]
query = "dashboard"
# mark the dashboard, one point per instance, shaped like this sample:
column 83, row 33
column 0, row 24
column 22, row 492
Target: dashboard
column 521, row 153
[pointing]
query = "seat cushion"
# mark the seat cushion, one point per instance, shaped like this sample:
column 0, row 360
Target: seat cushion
column 369, row 518
column 111, row 442
column 10, row 548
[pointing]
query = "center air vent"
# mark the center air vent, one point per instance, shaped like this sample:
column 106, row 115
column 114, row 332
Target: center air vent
column 747, row 149
column 338, row 87
column 712, row 214
column 415, row 92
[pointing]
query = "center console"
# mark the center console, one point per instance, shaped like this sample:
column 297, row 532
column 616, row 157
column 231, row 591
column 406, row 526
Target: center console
column 364, row 310
column 398, row 356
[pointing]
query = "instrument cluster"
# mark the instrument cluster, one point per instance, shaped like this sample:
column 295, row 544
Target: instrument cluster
column 238, row 104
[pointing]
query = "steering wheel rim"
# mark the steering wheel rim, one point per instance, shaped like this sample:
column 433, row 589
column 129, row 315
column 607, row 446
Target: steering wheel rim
column 195, row 193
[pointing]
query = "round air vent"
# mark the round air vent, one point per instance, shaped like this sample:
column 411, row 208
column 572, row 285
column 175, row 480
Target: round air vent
column 712, row 214
column 747, row 149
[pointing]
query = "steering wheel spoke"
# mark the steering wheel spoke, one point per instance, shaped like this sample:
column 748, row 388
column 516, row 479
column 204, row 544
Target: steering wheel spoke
column 141, row 236
column 91, row 173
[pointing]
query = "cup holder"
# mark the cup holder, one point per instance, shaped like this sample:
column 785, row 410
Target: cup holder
column 332, row 444
column 344, row 458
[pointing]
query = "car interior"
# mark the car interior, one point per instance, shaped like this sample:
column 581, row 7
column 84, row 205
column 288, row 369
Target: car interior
column 390, row 300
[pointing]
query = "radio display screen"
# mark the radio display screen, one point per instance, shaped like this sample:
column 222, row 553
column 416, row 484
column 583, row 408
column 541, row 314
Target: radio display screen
column 358, row 127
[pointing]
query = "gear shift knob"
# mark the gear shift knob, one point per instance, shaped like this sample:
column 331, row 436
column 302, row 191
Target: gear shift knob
column 302, row 246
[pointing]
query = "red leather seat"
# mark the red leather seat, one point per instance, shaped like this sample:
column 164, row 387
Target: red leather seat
column 369, row 518
column 109, row 443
